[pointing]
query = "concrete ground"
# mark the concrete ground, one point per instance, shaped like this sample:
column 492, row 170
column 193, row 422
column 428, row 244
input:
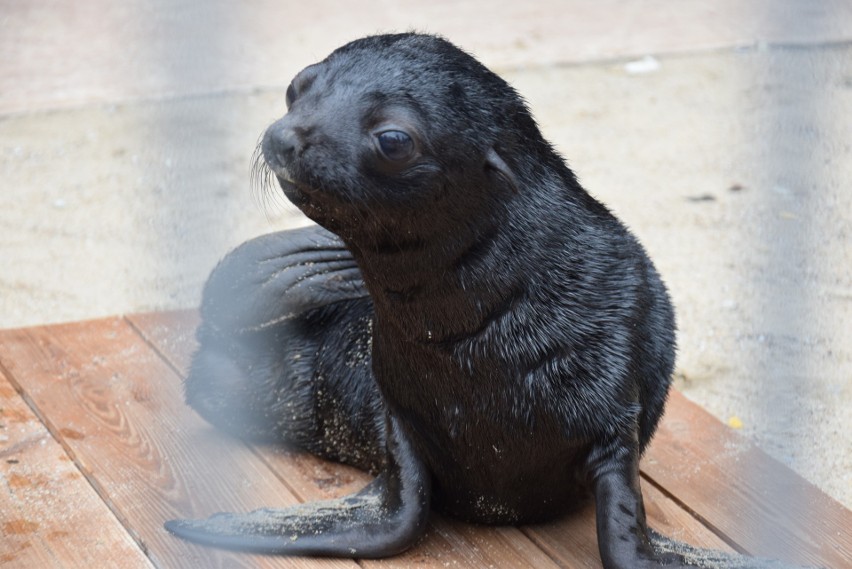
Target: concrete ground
column 126, row 131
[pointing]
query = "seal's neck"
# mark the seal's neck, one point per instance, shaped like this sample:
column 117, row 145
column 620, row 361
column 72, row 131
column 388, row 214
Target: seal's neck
column 441, row 287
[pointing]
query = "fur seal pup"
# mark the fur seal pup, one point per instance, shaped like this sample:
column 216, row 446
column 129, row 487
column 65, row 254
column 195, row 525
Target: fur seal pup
column 468, row 323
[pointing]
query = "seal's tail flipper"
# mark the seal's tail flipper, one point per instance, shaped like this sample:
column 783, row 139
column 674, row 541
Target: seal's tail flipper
column 710, row 559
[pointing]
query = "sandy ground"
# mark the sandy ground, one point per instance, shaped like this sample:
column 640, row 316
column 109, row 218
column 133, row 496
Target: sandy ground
column 124, row 183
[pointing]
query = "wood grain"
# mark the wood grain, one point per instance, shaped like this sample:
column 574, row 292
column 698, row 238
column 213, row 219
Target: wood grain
column 738, row 489
column 49, row 515
column 119, row 409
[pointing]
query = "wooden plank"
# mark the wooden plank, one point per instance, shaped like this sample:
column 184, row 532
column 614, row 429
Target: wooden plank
column 171, row 333
column 754, row 500
column 119, row 409
column 571, row 542
column 671, row 519
column 49, row 515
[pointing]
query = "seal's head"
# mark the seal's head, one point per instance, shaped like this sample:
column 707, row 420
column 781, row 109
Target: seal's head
column 401, row 135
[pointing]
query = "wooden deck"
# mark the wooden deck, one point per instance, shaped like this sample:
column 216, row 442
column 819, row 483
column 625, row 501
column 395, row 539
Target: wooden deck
column 97, row 449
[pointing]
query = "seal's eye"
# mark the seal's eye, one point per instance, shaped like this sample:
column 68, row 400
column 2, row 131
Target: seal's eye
column 395, row 145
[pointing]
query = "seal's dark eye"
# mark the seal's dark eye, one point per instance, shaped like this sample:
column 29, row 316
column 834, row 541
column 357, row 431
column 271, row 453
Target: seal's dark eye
column 395, row 144
column 290, row 96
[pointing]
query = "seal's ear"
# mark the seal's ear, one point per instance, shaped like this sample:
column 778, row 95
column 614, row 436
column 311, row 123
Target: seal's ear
column 494, row 164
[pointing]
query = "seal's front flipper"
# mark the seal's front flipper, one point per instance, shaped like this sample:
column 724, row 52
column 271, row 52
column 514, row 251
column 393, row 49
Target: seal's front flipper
column 383, row 519
column 360, row 525
column 624, row 539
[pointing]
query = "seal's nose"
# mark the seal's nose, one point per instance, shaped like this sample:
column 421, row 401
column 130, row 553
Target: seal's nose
column 282, row 143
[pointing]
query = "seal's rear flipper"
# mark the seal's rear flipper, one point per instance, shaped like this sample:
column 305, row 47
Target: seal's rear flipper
column 383, row 519
column 279, row 276
column 286, row 317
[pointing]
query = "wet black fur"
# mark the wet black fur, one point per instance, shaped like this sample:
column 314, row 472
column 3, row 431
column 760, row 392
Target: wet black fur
column 477, row 328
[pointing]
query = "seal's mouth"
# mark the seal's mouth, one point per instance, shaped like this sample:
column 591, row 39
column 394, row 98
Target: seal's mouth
column 298, row 192
column 264, row 174
column 289, row 184
column 283, row 174
column 286, row 182
column 285, row 177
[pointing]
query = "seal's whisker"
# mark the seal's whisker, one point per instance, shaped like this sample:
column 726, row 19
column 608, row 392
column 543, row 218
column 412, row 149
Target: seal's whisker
column 263, row 187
